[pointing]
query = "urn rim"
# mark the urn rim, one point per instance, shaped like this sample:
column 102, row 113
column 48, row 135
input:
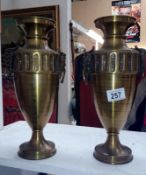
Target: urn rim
column 37, row 20
column 115, row 18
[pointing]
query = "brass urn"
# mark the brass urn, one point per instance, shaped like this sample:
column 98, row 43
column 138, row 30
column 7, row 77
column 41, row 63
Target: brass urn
column 114, row 72
column 36, row 79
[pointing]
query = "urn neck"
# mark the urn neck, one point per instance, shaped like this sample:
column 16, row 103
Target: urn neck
column 114, row 29
column 37, row 43
column 114, row 42
column 36, row 31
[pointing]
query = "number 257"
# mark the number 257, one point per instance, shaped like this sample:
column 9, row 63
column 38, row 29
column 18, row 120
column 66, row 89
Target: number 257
column 115, row 95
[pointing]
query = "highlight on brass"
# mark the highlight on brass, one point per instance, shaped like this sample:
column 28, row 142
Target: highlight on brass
column 114, row 72
column 36, row 78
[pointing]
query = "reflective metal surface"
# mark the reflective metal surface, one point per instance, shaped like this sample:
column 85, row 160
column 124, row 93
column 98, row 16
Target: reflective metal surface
column 115, row 66
column 37, row 72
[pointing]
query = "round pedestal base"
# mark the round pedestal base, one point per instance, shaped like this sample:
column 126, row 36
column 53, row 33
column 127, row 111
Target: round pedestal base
column 116, row 156
column 32, row 151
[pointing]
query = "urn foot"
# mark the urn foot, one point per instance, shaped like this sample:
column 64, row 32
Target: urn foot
column 37, row 148
column 45, row 150
column 112, row 152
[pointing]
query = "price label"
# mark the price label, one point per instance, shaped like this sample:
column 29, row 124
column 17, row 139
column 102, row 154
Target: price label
column 115, row 95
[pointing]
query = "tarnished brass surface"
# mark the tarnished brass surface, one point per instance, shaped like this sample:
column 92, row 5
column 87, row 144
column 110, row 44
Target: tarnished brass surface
column 112, row 151
column 114, row 66
column 37, row 72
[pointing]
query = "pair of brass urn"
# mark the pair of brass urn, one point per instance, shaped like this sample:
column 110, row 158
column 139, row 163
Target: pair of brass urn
column 113, row 74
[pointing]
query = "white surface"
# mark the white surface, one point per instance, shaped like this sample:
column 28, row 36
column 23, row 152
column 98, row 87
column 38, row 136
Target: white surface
column 65, row 17
column 75, row 147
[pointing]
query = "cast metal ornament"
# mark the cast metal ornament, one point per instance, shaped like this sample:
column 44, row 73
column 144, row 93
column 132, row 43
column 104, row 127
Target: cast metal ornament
column 36, row 78
column 113, row 70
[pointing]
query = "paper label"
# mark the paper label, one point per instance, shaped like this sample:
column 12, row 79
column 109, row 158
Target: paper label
column 115, row 95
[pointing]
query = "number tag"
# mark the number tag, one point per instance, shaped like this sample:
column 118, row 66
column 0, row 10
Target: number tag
column 116, row 94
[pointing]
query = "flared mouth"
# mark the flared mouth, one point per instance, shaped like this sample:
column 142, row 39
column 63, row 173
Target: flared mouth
column 115, row 25
column 37, row 20
column 114, row 19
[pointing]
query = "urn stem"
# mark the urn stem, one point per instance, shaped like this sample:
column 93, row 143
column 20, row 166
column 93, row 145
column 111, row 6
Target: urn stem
column 37, row 137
